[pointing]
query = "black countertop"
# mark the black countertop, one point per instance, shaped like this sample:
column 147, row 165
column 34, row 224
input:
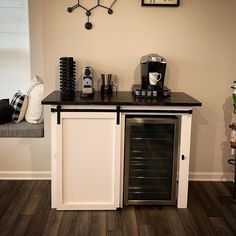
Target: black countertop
column 120, row 98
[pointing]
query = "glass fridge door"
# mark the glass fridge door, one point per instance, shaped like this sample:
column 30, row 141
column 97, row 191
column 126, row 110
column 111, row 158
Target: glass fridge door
column 151, row 149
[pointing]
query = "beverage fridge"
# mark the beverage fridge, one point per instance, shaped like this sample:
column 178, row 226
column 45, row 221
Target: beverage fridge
column 151, row 151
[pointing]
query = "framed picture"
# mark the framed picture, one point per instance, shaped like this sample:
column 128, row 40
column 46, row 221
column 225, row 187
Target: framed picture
column 160, row 3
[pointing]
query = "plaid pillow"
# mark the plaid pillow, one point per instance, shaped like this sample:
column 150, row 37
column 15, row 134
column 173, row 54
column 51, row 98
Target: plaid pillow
column 19, row 104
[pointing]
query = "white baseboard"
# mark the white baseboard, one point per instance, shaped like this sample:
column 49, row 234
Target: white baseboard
column 25, row 175
column 211, row 176
column 41, row 175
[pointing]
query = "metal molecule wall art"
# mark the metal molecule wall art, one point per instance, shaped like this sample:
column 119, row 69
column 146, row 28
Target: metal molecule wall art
column 88, row 11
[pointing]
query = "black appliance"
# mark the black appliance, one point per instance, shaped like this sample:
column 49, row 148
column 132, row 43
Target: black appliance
column 153, row 68
column 87, row 82
column 106, row 86
column 151, row 151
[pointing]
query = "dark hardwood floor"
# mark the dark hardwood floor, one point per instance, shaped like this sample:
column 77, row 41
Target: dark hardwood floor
column 25, row 210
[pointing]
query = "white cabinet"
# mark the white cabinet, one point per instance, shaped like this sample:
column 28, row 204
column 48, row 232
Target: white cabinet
column 88, row 146
column 86, row 157
column 88, row 154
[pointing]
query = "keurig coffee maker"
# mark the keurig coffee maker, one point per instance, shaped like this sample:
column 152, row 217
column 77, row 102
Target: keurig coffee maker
column 153, row 68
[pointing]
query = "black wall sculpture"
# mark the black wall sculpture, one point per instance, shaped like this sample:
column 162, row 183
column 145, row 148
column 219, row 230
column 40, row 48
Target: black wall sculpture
column 88, row 24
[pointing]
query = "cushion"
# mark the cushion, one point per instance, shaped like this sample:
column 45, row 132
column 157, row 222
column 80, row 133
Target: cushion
column 34, row 113
column 6, row 111
column 23, row 130
column 19, row 104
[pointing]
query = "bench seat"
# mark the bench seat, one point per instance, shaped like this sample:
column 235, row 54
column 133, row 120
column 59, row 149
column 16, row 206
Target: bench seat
column 22, row 129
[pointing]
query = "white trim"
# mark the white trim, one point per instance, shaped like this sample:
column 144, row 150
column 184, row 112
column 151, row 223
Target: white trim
column 122, row 158
column 211, row 176
column 184, row 158
column 53, row 160
column 87, row 207
column 41, row 175
column 25, row 175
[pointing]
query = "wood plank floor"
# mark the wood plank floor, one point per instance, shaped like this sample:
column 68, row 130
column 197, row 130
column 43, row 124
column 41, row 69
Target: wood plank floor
column 25, row 210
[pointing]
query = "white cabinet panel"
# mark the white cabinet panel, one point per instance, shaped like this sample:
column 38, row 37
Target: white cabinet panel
column 89, row 161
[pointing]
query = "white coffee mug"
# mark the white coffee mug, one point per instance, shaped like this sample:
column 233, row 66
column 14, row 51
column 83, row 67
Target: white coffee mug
column 154, row 77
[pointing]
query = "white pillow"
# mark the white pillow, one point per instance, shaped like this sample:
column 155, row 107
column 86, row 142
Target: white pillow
column 34, row 113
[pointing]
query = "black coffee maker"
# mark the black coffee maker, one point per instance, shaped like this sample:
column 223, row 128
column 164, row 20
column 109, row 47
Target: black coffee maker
column 153, row 68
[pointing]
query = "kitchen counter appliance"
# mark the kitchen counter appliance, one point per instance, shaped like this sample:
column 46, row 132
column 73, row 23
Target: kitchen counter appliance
column 107, row 84
column 153, row 68
column 151, row 151
column 87, row 82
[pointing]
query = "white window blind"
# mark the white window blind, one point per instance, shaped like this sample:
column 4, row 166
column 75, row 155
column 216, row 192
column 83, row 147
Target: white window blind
column 14, row 47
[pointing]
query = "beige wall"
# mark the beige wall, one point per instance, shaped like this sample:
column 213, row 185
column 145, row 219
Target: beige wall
column 197, row 39
column 25, row 157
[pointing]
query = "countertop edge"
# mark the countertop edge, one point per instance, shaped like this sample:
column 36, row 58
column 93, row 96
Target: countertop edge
column 120, row 104
column 122, row 98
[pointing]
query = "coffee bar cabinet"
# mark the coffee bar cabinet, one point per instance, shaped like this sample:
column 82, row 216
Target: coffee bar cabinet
column 112, row 151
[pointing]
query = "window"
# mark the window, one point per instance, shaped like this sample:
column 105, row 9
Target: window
column 14, row 47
